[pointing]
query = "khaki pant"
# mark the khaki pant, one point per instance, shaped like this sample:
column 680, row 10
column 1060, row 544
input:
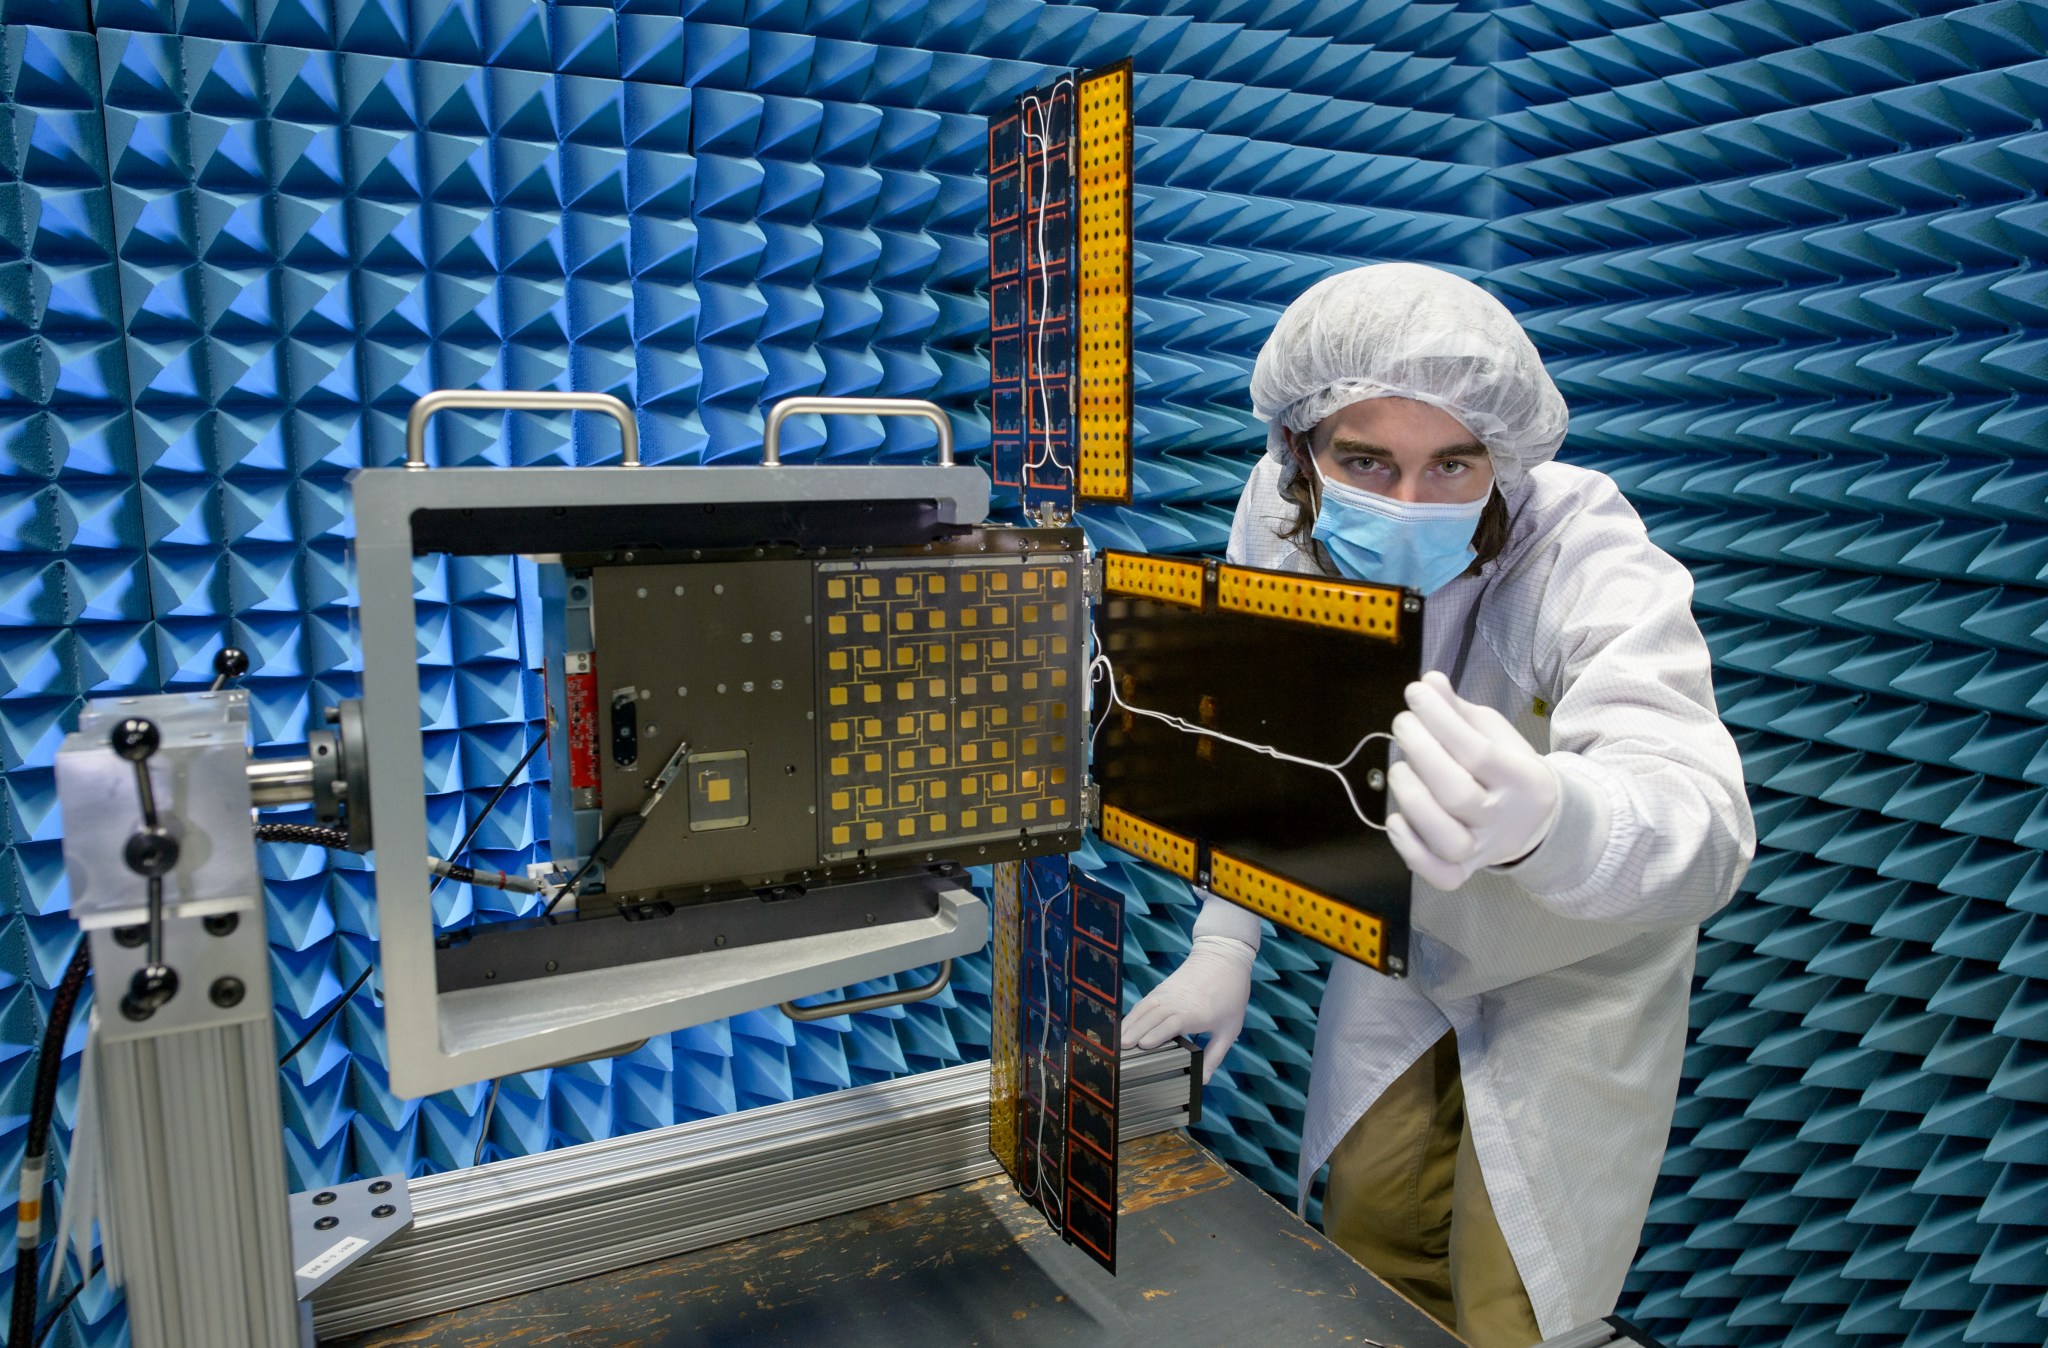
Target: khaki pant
column 1406, row 1200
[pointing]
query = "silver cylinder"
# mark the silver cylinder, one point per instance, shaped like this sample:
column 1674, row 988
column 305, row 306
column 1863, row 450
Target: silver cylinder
column 280, row 781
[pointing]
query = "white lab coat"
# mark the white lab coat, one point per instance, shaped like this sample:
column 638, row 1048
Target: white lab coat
column 1566, row 977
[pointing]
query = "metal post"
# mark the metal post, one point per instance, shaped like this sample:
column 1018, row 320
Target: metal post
column 196, row 1226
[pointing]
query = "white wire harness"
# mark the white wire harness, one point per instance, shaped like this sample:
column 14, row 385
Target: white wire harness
column 1100, row 667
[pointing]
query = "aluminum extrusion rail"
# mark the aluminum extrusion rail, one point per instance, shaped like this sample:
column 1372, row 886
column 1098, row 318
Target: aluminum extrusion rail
column 512, row 1226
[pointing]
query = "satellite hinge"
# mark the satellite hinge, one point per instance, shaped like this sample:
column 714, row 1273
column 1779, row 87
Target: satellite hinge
column 1093, row 578
column 1091, row 806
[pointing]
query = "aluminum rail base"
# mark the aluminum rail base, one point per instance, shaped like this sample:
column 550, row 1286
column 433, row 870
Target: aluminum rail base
column 496, row 1230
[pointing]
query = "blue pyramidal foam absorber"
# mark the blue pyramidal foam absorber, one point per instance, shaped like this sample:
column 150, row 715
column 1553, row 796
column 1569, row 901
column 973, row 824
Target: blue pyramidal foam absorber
column 1784, row 259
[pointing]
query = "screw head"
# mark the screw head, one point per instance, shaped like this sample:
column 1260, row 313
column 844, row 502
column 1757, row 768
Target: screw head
column 227, row 991
column 131, row 936
column 222, row 924
column 323, row 1198
column 383, row 1210
column 381, row 1187
column 327, row 1223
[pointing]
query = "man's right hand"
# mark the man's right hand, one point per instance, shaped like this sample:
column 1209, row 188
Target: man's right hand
column 1208, row 995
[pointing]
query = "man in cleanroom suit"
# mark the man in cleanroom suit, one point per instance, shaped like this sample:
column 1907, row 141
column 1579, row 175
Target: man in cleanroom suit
column 1564, row 793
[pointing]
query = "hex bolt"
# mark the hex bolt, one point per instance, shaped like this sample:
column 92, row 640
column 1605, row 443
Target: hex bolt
column 227, row 991
column 718, row 941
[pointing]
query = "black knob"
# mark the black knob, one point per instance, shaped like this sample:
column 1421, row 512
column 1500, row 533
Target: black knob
column 135, row 739
column 150, row 852
column 231, row 662
column 152, row 986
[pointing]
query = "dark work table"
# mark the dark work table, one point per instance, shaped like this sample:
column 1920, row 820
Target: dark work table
column 1204, row 1258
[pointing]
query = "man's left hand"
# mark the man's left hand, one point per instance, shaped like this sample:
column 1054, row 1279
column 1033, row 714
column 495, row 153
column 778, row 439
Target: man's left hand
column 1470, row 793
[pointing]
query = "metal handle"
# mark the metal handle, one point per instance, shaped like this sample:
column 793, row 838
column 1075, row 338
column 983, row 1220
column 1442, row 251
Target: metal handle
column 771, row 446
column 851, row 1005
column 498, row 400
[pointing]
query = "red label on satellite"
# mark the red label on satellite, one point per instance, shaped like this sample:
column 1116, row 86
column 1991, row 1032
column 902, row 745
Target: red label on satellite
column 582, row 712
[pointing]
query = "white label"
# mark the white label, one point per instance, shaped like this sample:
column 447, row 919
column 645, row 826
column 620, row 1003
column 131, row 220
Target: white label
column 340, row 1250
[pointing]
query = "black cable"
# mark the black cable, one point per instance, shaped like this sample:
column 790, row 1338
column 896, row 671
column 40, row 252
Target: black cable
column 309, row 834
column 497, row 796
column 329, row 1014
column 460, row 847
column 64, row 1302
column 483, row 1134
column 42, row 1105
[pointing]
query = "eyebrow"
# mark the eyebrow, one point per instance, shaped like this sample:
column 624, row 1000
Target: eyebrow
column 1472, row 450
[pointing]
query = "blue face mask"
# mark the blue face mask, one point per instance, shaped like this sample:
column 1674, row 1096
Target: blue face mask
column 1387, row 542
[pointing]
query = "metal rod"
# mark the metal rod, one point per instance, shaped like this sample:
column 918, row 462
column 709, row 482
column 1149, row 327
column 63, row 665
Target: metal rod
column 509, row 1226
column 280, row 781
column 499, row 400
column 151, row 824
column 771, row 438
column 853, row 1005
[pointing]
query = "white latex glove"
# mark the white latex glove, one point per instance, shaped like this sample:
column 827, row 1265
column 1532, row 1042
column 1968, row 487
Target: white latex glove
column 1471, row 792
column 1208, row 994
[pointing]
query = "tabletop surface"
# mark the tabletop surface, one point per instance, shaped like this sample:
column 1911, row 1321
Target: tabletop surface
column 1204, row 1257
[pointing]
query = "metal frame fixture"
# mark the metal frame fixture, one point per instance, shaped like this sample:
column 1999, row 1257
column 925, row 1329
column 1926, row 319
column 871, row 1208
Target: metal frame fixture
column 458, row 1037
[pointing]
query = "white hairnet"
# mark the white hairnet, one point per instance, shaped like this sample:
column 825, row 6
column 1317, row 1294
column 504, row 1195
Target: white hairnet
column 1400, row 330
